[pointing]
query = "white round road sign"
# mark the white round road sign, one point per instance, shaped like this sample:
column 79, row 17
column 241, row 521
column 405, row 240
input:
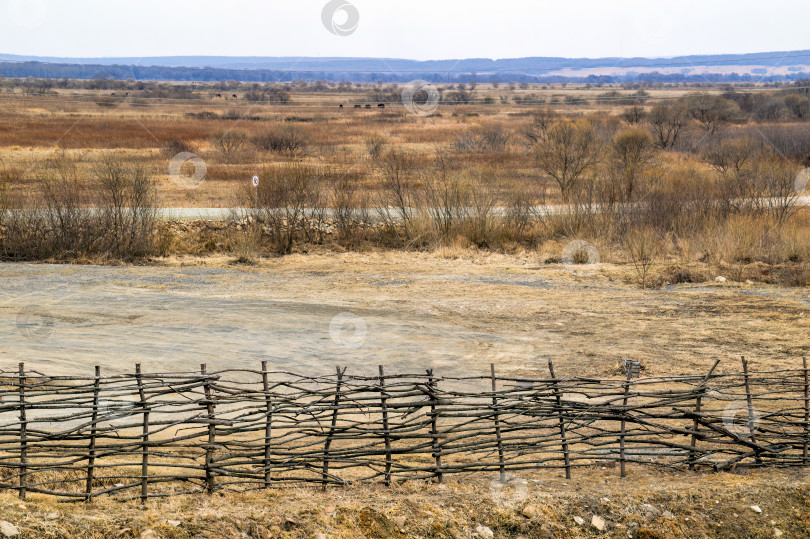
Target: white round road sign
column 255, row 181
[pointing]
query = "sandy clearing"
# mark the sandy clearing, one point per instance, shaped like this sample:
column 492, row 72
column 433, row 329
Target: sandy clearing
column 453, row 314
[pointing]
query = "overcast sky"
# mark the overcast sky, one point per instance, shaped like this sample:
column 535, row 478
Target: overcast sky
column 418, row 29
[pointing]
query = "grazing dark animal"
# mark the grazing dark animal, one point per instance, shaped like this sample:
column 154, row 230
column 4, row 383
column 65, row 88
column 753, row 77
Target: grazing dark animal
column 113, row 94
column 234, row 95
column 341, row 105
column 219, row 95
column 126, row 94
column 368, row 106
column 381, row 106
column 358, row 106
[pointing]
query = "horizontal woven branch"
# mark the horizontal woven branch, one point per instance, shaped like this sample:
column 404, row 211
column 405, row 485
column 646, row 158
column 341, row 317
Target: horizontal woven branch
column 156, row 434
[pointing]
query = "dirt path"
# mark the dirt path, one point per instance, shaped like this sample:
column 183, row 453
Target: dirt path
column 403, row 310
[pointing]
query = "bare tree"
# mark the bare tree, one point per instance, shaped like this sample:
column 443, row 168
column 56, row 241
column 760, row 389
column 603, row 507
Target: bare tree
column 570, row 149
column 668, row 123
column 711, row 111
column 631, row 151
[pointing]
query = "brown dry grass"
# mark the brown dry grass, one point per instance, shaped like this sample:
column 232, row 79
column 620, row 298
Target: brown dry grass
column 542, row 505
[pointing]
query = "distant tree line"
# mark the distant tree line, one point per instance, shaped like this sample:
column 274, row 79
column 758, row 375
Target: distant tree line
column 159, row 73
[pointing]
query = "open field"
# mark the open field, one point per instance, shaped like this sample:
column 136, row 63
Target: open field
column 677, row 249
column 455, row 311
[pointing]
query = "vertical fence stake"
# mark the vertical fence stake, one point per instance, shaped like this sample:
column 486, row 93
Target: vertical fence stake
column 696, row 422
column 558, row 398
column 91, row 451
column 333, row 426
column 268, row 425
column 144, row 437
column 386, row 428
column 212, row 429
column 806, row 410
column 23, row 436
column 434, row 430
column 751, row 427
column 501, row 464
column 622, row 458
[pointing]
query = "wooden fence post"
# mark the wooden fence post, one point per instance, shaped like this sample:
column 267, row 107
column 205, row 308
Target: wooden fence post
column 144, row 436
column 23, row 435
column 434, row 430
column 91, row 451
column 386, row 427
column 622, row 457
column 696, row 422
column 268, row 425
column 751, row 427
column 333, row 427
column 558, row 399
column 212, row 429
column 501, row 464
column 806, row 410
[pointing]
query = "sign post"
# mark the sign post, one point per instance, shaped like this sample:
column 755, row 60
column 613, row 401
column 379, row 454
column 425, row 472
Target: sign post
column 256, row 189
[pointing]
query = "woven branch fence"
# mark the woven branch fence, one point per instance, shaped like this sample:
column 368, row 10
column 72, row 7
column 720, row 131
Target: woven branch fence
column 147, row 435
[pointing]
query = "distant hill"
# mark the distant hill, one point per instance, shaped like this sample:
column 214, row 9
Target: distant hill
column 768, row 66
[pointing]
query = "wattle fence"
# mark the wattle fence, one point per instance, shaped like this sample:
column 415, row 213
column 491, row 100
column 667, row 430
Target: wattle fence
column 145, row 435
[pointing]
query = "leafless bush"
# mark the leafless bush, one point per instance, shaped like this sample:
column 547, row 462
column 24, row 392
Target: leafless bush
column 375, row 146
column 350, row 211
column 491, row 139
column 668, row 122
column 447, row 197
column 282, row 202
column 642, row 246
column 398, row 197
column 127, row 205
column 230, row 143
column 631, row 152
column 570, row 149
column 285, row 139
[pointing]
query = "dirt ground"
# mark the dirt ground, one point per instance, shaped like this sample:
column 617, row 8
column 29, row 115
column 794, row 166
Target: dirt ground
column 645, row 505
column 455, row 311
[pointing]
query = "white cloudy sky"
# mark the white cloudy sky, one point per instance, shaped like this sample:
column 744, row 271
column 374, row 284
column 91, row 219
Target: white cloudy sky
column 419, row 29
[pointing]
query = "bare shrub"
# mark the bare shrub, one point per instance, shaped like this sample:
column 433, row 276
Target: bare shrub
column 642, row 246
column 711, row 111
column 350, row 211
column 570, row 149
column 668, row 122
column 245, row 244
column 282, row 201
column 127, row 205
column 283, row 139
column 634, row 114
column 230, row 143
column 447, row 197
column 631, row 151
column 398, row 197
column 490, row 139
column 375, row 146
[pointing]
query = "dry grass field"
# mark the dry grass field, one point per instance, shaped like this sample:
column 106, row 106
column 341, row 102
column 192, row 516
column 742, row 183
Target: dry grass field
column 585, row 224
